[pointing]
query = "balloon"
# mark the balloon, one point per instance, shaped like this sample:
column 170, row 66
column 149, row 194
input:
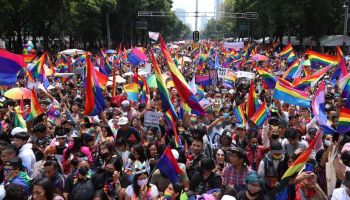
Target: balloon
column 30, row 43
column 29, row 48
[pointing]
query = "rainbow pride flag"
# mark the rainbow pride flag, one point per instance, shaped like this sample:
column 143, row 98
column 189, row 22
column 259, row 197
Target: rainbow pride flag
column 10, row 65
column 286, row 51
column 293, row 70
column 183, row 89
column 252, row 102
column 261, row 115
column 344, row 86
column 172, row 123
column 28, row 58
column 240, row 115
column 132, row 91
column 229, row 80
column 299, row 163
column 144, row 92
column 344, row 117
column 37, row 71
column 269, row 79
column 94, row 101
column 291, row 95
column 102, row 79
column 303, row 83
column 162, row 89
column 341, row 70
column 291, row 58
column 35, row 107
column 319, row 59
column 18, row 118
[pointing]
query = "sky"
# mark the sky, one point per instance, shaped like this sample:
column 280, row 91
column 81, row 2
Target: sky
column 190, row 6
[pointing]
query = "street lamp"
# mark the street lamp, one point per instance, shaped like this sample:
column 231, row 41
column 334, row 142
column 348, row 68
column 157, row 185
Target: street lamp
column 346, row 6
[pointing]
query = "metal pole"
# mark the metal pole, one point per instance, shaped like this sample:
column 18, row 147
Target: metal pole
column 196, row 16
column 346, row 6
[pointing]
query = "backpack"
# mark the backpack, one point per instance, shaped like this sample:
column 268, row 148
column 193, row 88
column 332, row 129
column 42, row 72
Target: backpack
column 82, row 190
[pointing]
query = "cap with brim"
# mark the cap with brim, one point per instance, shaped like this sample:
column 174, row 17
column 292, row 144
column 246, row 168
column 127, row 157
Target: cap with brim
column 123, row 121
column 240, row 126
column 18, row 130
column 238, row 151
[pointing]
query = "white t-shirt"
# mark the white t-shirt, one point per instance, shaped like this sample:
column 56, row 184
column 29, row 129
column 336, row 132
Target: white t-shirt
column 153, row 192
column 340, row 194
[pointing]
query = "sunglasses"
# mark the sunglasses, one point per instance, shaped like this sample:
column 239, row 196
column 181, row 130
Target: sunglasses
column 7, row 170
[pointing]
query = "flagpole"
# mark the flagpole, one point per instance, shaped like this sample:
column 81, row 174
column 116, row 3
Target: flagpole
column 114, row 80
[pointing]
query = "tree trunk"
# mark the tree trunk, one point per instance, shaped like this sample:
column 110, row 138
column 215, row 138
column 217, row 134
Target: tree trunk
column 19, row 46
column 46, row 42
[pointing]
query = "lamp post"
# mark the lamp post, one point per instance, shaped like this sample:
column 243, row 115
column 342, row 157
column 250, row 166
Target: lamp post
column 346, row 7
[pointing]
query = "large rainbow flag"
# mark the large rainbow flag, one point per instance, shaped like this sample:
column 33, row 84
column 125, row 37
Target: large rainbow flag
column 293, row 70
column 37, row 71
column 291, row 95
column 344, row 117
column 183, row 89
column 10, row 65
column 240, row 115
column 319, row 59
column 132, row 91
column 261, row 115
column 94, row 101
column 269, row 79
column 303, row 83
column 172, row 123
column 286, row 51
column 252, row 104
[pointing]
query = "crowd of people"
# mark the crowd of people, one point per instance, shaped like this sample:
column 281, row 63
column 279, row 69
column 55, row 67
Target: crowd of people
column 113, row 155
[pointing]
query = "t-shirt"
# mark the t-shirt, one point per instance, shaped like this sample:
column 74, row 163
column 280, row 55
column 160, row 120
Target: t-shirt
column 340, row 194
column 152, row 192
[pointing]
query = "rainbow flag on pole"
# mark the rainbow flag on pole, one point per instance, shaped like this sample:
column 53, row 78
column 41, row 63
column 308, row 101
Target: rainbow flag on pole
column 344, row 86
column 291, row 95
column 252, row 104
column 94, row 101
column 344, row 117
column 172, row 123
column 240, row 115
column 286, row 51
column 35, row 107
column 18, row 118
column 261, row 115
column 162, row 89
column 183, row 89
column 300, row 162
column 269, row 79
column 293, row 70
column 303, row 83
column 132, row 91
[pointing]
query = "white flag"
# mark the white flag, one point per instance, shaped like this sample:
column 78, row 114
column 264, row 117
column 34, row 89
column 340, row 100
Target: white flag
column 153, row 35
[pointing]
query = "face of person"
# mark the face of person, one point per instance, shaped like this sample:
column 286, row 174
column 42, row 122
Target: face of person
column 50, row 171
column 253, row 187
column 61, row 141
column 271, row 181
column 9, row 172
column 6, row 156
column 220, row 156
column 235, row 160
column 294, row 141
column 153, row 150
column 135, row 122
column 18, row 142
column 38, row 193
column 197, row 147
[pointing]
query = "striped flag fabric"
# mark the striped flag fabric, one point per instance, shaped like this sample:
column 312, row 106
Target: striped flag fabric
column 261, row 115
column 291, row 95
column 35, row 107
column 252, row 104
column 240, row 115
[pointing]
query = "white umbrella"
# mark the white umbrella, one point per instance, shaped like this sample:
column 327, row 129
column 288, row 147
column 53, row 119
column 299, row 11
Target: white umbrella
column 118, row 80
column 186, row 59
column 174, row 46
column 72, row 51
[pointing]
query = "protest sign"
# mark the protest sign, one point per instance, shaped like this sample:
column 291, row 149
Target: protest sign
column 152, row 118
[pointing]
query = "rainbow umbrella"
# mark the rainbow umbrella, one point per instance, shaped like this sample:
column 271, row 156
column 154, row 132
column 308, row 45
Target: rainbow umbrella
column 18, row 93
column 259, row 57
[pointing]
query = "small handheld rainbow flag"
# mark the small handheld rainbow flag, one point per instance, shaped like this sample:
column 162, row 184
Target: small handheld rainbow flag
column 269, row 79
column 102, row 79
column 240, row 115
column 344, row 117
column 172, row 123
column 132, row 91
column 291, row 95
column 35, row 107
column 302, row 83
column 293, row 70
column 286, row 51
column 299, row 163
column 18, row 119
column 28, row 58
column 261, row 115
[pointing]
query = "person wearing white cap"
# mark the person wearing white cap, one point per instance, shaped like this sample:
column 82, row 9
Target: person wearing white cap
column 130, row 111
column 129, row 133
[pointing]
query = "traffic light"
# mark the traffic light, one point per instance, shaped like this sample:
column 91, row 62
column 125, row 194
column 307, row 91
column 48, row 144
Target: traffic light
column 195, row 36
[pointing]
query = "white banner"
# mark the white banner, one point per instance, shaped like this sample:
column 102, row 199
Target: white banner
column 221, row 72
column 241, row 74
column 152, row 118
column 234, row 45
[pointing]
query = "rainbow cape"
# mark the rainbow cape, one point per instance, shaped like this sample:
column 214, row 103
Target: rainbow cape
column 183, row 89
column 162, row 89
column 35, row 107
column 299, row 163
column 261, row 115
column 94, row 101
column 291, row 95
column 319, row 59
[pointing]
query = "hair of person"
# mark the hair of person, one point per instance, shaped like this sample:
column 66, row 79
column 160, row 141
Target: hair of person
column 9, row 149
column 117, row 163
column 22, row 136
column 77, row 143
column 178, row 188
column 109, row 146
column 15, row 192
column 48, row 187
column 207, row 164
column 135, row 185
column 138, row 148
column 120, row 141
column 109, row 130
column 41, row 128
column 198, row 139
column 51, row 163
column 15, row 162
column 100, row 194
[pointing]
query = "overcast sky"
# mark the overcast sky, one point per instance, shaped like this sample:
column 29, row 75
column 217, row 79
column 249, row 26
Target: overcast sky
column 190, row 6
